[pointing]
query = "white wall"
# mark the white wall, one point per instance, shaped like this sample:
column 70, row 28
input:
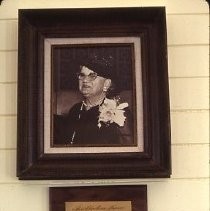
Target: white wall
column 188, row 39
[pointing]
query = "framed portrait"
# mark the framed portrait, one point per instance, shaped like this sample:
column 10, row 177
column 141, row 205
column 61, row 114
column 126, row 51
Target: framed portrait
column 93, row 98
column 110, row 198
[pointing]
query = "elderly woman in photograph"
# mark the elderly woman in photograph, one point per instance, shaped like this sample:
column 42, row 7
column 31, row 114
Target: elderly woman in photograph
column 100, row 119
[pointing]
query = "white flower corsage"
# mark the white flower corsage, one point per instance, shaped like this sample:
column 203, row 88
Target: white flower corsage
column 111, row 111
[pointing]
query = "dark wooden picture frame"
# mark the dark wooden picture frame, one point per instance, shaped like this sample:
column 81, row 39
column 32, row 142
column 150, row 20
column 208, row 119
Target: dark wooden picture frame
column 146, row 24
column 135, row 195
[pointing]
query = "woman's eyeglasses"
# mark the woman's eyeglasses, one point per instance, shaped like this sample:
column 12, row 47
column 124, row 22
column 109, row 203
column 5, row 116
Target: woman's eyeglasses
column 90, row 77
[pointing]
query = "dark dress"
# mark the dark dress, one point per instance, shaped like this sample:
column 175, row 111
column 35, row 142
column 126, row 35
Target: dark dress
column 80, row 128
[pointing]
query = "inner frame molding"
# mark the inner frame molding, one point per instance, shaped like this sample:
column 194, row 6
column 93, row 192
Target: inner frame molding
column 48, row 94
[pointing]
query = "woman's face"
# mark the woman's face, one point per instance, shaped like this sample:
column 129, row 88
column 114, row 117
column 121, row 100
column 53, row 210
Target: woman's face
column 90, row 88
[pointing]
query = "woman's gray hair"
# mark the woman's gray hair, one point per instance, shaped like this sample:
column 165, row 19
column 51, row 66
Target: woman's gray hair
column 112, row 90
